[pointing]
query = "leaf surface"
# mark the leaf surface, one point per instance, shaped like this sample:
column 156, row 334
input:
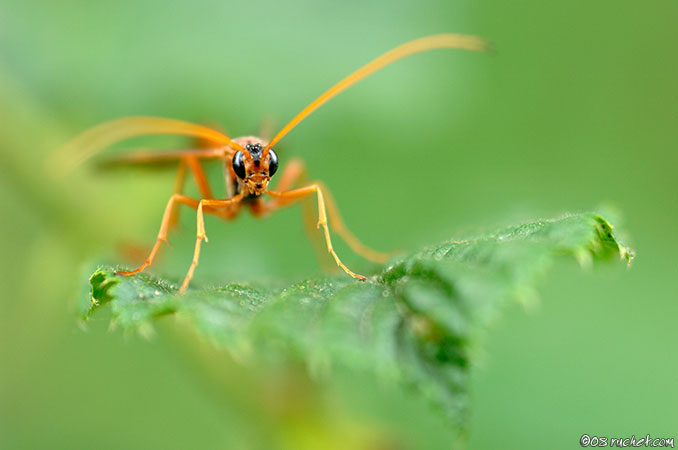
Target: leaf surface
column 415, row 322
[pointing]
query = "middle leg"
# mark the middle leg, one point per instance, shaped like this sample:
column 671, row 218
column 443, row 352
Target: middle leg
column 200, row 177
column 164, row 227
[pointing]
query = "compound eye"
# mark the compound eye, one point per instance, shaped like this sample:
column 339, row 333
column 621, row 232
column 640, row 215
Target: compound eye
column 239, row 165
column 272, row 163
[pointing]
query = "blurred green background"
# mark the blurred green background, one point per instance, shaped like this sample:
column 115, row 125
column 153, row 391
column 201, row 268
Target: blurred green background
column 575, row 110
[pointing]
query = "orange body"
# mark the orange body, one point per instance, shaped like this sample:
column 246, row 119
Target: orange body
column 249, row 163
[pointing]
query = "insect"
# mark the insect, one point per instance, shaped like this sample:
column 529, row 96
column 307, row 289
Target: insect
column 249, row 162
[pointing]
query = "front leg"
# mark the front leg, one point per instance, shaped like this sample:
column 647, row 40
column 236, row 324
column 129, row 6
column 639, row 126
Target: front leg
column 294, row 173
column 285, row 198
column 212, row 205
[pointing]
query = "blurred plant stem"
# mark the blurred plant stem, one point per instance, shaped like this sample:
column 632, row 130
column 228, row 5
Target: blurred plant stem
column 291, row 410
column 28, row 135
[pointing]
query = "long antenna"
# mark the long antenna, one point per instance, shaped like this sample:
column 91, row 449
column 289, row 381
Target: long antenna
column 458, row 41
column 98, row 138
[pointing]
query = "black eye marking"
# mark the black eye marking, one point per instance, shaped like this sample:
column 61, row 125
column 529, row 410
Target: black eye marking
column 239, row 165
column 255, row 150
column 272, row 162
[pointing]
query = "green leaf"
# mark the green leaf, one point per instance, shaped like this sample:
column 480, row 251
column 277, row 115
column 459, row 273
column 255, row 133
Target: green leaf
column 415, row 322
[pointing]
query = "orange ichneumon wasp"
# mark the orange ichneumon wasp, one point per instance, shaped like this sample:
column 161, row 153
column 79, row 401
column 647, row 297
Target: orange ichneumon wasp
column 249, row 162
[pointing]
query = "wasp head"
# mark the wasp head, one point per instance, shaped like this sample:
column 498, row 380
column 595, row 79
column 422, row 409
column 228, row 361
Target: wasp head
column 254, row 170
